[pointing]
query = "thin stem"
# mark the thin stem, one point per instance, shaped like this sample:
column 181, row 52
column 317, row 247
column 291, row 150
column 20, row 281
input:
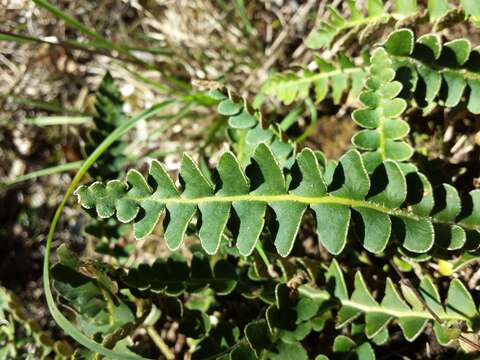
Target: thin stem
column 5, row 35
column 157, row 339
column 264, row 257
column 43, row 172
column 58, row 120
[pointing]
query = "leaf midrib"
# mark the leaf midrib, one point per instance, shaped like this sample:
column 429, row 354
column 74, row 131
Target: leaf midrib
column 319, row 294
column 308, row 200
column 415, row 62
column 385, row 17
column 325, row 74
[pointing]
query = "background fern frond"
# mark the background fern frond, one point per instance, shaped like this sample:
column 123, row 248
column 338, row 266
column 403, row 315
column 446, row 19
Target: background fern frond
column 247, row 131
column 341, row 31
column 22, row 336
column 436, row 72
column 398, row 304
column 330, row 78
column 108, row 115
column 174, row 276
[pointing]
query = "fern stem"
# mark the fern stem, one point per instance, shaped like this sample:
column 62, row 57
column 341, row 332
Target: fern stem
column 326, row 199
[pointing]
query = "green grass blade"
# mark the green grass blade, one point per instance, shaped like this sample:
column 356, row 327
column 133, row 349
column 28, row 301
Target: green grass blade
column 73, row 22
column 61, row 320
column 43, row 172
column 240, row 6
column 17, row 38
column 58, row 120
column 100, row 41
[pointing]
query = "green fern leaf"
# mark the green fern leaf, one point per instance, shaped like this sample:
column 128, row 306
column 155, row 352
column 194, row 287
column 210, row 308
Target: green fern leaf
column 94, row 312
column 437, row 9
column 288, row 87
column 380, row 118
column 397, row 305
column 337, row 27
column 472, row 9
column 344, row 347
column 452, row 66
column 247, row 131
column 387, row 202
column 109, row 114
column 174, row 276
column 339, row 31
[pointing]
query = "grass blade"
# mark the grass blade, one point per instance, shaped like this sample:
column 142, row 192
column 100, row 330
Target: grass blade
column 58, row 120
column 43, row 172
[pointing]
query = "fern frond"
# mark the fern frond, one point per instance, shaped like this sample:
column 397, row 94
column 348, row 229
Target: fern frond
column 337, row 79
column 91, row 294
column 290, row 319
column 342, row 31
column 252, row 131
column 392, row 198
column 438, row 72
column 21, row 334
column 108, row 115
column 384, row 130
column 400, row 306
column 174, row 276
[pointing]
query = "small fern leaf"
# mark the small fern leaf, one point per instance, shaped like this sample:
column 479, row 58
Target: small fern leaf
column 108, row 115
column 382, row 137
column 336, row 25
column 248, row 130
column 444, row 73
column 437, row 8
column 472, row 9
column 289, row 86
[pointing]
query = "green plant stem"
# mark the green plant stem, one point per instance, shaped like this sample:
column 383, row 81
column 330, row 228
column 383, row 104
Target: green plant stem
column 242, row 11
column 43, row 172
column 61, row 320
column 7, row 36
column 164, row 349
column 100, row 40
column 42, row 105
column 264, row 257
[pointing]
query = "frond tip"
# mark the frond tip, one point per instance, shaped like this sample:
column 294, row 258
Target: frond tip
column 385, row 205
column 384, row 130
